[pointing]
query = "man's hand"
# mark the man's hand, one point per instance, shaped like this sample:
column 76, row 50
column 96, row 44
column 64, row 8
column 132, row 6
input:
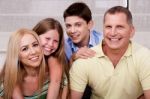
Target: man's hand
column 83, row 52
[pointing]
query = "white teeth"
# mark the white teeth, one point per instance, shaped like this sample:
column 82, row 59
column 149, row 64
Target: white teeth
column 114, row 39
column 34, row 58
column 47, row 49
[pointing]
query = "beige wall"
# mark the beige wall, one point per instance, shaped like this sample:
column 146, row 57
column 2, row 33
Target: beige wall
column 15, row 14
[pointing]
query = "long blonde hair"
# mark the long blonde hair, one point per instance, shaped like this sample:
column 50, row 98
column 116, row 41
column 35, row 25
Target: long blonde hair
column 13, row 71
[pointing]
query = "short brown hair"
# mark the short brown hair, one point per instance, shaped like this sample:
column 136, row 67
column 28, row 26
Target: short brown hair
column 119, row 9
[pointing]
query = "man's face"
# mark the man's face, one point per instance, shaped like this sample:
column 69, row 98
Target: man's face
column 117, row 31
column 78, row 29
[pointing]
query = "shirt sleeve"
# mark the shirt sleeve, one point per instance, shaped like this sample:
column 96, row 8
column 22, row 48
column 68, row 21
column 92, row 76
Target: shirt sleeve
column 78, row 76
column 144, row 73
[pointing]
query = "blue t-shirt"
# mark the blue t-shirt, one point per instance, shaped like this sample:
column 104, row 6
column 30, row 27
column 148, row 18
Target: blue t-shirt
column 70, row 47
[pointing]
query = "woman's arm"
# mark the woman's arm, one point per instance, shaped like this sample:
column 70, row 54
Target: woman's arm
column 55, row 72
column 17, row 94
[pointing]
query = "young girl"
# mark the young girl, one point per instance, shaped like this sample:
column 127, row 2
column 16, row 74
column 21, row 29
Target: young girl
column 52, row 40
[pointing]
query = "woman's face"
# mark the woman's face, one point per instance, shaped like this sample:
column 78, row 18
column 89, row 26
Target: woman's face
column 30, row 52
column 49, row 41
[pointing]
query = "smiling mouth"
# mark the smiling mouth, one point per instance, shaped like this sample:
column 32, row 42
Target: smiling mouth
column 48, row 49
column 114, row 39
column 74, row 37
column 34, row 58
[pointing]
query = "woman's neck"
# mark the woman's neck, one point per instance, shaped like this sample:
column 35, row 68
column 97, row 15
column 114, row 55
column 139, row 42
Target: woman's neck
column 31, row 71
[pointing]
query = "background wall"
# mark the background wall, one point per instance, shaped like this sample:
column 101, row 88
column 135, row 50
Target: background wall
column 15, row 14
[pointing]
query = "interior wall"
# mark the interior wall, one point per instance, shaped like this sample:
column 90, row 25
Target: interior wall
column 15, row 14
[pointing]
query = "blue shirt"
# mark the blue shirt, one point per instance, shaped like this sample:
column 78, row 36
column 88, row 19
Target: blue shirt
column 70, row 47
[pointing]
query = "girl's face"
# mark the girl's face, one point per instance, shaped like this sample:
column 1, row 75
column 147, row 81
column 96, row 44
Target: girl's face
column 30, row 52
column 49, row 41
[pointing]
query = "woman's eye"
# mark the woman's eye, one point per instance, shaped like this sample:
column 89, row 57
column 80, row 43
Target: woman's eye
column 24, row 49
column 35, row 45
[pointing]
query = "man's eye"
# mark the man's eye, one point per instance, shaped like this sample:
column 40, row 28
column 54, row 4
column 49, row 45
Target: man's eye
column 108, row 27
column 78, row 25
column 120, row 26
column 68, row 26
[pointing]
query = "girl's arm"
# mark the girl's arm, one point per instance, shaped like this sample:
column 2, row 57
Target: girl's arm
column 17, row 94
column 55, row 72
column 64, row 92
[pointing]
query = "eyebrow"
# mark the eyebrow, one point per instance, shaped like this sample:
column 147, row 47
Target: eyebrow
column 28, row 44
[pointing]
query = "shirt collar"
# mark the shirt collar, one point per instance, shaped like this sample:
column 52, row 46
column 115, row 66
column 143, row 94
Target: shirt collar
column 100, row 52
column 92, row 43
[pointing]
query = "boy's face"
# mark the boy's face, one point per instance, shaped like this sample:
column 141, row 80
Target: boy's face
column 78, row 29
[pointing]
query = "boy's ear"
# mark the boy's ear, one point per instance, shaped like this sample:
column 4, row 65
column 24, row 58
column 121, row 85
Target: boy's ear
column 90, row 24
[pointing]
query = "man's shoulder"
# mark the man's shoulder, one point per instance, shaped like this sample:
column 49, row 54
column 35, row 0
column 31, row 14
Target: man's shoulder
column 140, row 53
column 138, row 48
column 97, row 47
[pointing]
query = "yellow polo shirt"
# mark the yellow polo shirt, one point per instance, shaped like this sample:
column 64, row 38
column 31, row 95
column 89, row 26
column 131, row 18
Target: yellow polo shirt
column 127, row 81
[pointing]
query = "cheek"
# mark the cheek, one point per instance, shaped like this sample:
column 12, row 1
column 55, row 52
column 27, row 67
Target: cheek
column 56, row 46
column 42, row 41
column 22, row 57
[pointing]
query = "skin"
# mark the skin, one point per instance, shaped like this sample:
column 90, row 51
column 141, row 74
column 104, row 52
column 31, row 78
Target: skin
column 49, row 42
column 30, row 55
column 79, row 32
column 30, row 52
column 117, row 34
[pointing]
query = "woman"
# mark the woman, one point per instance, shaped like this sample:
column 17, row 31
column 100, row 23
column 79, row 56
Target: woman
column 52, row 40
column 24, row 66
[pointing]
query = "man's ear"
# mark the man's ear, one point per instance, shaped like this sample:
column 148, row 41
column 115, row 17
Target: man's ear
column 90, row 24
column 132, row 32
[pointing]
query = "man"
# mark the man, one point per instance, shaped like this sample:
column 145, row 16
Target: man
column 120, row 69
column 78, row 21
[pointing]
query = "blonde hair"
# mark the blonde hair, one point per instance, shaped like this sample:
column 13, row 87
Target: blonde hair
column 13, row 71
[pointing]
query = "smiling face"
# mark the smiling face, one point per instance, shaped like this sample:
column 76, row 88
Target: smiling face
column 78, row 30
column 117, row 31
column 30, row 52
column 49, row 41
